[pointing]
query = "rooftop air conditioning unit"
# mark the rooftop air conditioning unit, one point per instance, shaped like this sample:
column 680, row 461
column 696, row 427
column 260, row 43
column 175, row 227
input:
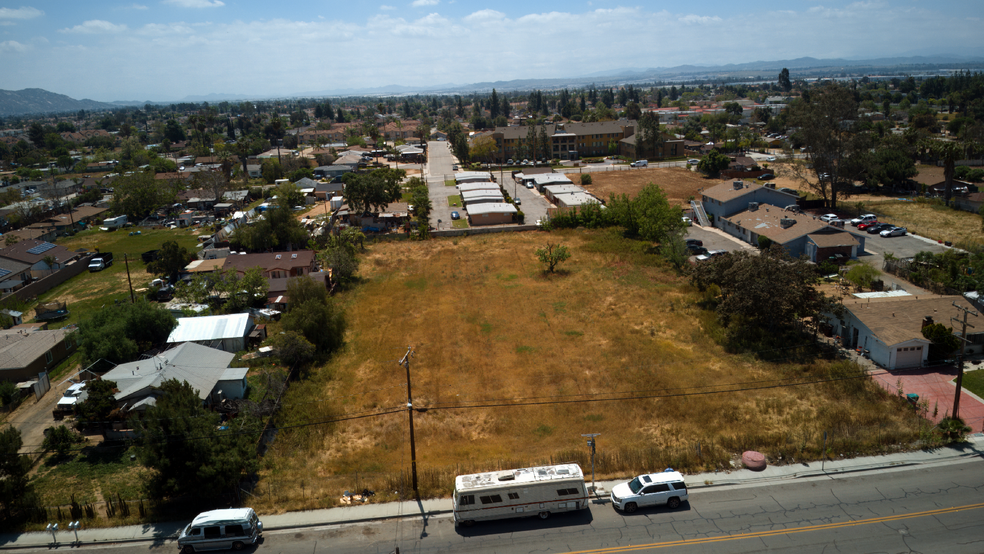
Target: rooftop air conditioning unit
column 738, row 185
column 753, row 206
column 787, row 222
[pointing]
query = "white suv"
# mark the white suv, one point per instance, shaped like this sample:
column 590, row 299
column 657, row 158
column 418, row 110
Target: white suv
column 653, row 489
column 866, row 218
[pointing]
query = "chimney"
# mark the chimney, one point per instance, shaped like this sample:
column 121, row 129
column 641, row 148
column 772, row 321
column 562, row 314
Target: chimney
column 928, row 320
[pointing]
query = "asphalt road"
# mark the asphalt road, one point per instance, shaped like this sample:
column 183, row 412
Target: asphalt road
column 921, row 509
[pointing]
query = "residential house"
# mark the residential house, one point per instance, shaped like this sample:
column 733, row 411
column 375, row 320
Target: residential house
column 225, row 332
column 24, row 353
column 44, row 257
column 13, row 275
column 277, row 298
column 273, row 264
column 568, row 141
column 890, row 329
column 205, row 369
column 491, row 214
column 749, row 211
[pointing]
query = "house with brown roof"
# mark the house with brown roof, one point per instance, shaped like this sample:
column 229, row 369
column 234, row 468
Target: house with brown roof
column 890, row 329
column 37, row 254
column 273, row 264
column 749, row 211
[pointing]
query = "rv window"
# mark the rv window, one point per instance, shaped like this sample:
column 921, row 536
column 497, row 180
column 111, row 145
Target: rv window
column 513, row 496
column 490, row 499
column 234, row 530
column 212, row 532
column 565, row 492
column 466, row 500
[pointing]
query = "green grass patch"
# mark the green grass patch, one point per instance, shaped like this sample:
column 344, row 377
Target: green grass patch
column 450, row 183
column 573, row 333
column 525, row 349
column 974, row 382
column 91, row 475
column 543, row 431
column 416, row 284
column 454, row 201
column 459, row 224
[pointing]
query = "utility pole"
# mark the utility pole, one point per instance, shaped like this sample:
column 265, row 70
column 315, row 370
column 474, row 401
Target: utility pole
column 127, row 264
column 405, row 362
column 960, row 358
column 592, row 443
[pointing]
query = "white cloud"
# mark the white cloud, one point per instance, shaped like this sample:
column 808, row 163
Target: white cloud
column 422, row 3
column 12, row 46
column 699, row 19
column 196, row 3
column 386, row 8
column 485, row 16
column 95, row 27
column 23, row 12
column 136, row 7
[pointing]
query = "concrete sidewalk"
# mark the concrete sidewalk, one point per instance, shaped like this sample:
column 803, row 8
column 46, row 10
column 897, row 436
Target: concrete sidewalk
column 165, row 533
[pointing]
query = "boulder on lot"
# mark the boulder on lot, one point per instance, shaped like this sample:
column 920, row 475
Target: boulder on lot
column 753, row 460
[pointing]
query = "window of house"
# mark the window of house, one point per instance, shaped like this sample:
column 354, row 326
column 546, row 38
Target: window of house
column 48, row 357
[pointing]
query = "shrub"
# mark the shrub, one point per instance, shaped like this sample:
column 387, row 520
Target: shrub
column 586, row 179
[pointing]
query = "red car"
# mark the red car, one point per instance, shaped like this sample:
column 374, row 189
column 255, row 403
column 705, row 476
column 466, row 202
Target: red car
column 863, row 226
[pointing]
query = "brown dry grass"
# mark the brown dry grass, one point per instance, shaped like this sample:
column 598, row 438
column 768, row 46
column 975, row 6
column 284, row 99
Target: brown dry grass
column 931, row 219
column 489, row 327
column 678, row 183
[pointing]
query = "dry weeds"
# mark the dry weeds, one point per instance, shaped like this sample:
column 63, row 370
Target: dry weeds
column 678, row 183
column 490, row 328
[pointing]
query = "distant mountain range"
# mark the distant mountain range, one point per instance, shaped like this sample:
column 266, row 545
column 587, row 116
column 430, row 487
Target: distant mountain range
column 39, row 101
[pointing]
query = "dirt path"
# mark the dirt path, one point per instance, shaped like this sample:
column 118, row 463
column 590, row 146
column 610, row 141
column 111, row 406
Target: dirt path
column 32, row 417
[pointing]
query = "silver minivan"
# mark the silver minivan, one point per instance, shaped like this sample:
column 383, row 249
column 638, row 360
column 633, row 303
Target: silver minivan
column 221, row 530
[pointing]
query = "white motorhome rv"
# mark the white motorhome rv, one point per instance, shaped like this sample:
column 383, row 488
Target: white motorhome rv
column 535, row 491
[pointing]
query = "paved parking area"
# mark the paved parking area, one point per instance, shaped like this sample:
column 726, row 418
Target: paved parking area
column 716, row 239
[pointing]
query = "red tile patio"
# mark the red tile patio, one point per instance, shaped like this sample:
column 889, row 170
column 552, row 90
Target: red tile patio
column 935, row 387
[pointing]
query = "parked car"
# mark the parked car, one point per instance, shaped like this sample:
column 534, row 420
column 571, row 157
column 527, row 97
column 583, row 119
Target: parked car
column 509, row 161
column 865, row 224
column 827, row 218
column 455, row 215
column 864, row 219
column 221, row 530
column 517, row 201
column 654, row 489
column 770, row 159
column 693, row 161
column 894, row 232
column 687, row 221
column 696, row 250
column 695, row 242
column 788, row 190
column 879, row 228
column 640, row 163
column 766, row 176
column 529, row 185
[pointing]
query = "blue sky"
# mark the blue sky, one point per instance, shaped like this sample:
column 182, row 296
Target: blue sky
column 164, row 50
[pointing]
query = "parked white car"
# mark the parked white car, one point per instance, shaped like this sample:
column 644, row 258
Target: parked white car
column 654, row 489
column 640, row 163
column 866, row 218
column 827, row 218
column 894, row 232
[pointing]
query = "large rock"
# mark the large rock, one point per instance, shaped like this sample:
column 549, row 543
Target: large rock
column 753, row 460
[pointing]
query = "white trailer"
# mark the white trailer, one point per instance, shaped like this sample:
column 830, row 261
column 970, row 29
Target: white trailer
column 114, row 222
column 535, row 491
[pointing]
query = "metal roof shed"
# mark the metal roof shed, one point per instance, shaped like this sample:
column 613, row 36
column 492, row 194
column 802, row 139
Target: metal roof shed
column 225, row 332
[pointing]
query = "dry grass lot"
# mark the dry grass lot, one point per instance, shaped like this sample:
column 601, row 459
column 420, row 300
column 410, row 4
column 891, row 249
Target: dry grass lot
column 490, row 329
column 678, row 183
column 933, row 220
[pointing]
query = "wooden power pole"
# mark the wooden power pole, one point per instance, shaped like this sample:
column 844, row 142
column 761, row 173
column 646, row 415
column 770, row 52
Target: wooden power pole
column 960, row 358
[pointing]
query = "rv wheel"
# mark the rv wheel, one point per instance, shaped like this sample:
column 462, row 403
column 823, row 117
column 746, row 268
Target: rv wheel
column 544, row 515
column 237, row 545
column 673, row 503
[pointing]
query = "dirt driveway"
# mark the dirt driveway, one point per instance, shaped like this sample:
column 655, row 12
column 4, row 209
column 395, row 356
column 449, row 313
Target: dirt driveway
column 32, row 417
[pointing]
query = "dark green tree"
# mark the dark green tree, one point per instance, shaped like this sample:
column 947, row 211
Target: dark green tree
column 60, row 439
column 784, row 83
column 14, row 470
column 119, row 333
column 713, row 163
column 139, row 194
column 190, row 454
column 312, row 314
column 171, row 260
column 944, row 341
column 99, row 403
column 648, row 216
column 553, row 255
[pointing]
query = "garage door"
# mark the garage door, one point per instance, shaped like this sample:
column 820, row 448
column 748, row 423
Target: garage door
column 910, row 356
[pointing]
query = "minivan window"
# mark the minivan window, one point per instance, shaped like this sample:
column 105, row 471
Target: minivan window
column 212, row 532
column 235, row 531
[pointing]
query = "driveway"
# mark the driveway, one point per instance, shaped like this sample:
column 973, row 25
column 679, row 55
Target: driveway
column 440, row 164
column 32, row 417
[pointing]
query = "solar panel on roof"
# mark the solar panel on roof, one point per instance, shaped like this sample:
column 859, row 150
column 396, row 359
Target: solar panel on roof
column 4, row 272
column 41, row 248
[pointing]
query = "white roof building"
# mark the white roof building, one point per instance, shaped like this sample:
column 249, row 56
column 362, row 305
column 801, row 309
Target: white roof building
column 225, row 332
